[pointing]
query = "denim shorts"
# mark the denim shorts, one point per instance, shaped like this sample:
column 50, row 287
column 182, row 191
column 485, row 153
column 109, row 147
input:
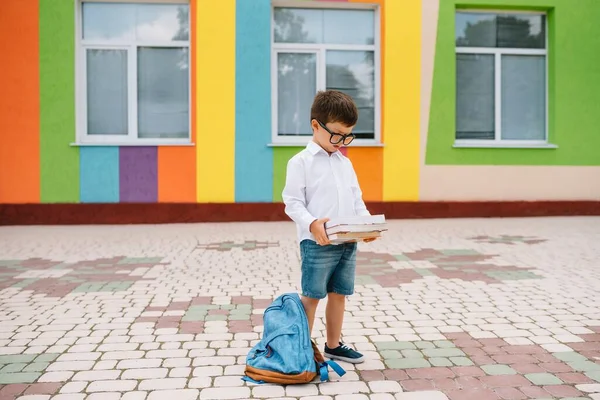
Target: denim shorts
column 327, row 269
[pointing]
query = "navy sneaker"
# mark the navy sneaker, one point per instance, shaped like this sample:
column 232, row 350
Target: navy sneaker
column 344, row 353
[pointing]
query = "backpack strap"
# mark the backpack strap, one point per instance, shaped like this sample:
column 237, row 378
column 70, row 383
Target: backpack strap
column 336, row 367
column 324, row 370
column 248, row 379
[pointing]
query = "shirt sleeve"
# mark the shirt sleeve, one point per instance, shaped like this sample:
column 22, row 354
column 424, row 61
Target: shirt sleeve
column 359, row 205
column 294, row 195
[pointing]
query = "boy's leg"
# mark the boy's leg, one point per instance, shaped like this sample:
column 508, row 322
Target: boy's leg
column 310, row 306
column 318, row 263
column 340, row 285
column 334, row 316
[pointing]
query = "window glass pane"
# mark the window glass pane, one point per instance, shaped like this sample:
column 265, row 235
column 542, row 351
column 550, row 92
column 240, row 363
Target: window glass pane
column 162, row 22
column 163, row 98
column 297, row 25
column 107, row 92
column 475, row 30
column 296, row 89
column 147, row 22
column 349, row 26
column 108, row 21
column 521, row 31
column 475, row 96
column 500, row 30
column 353, row 72
column 523, row 97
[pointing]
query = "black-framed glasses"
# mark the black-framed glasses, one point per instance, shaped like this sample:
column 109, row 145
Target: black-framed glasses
column 337, row 138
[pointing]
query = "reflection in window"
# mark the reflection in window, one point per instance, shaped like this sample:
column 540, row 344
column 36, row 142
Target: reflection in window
column 353, row 72
column 523, row 97
column 163, row 98
column 140, row 22
column 500, row 76
column 500, row 30
column 475, row 96
column 301, row 25
column 107, row 92
column 296, row 88
column 342, row 58
column 137, row 70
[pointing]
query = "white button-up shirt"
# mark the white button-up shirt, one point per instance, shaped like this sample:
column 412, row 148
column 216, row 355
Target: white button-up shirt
column 319, row 185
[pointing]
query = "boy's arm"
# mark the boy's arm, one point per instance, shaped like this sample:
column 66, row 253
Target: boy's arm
column 359, row 204
column 294, row 195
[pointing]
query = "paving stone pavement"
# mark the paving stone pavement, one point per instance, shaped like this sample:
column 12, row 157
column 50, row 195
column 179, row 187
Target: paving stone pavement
column 443, row 309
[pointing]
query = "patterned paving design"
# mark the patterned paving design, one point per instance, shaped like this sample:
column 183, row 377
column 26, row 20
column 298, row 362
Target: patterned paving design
column 507, row 239
column 247, row 245
column 57, row 279
column 452, row 309
column 467, row 265
column 190, row 317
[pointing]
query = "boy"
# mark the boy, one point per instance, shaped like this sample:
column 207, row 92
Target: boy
column 321, row 184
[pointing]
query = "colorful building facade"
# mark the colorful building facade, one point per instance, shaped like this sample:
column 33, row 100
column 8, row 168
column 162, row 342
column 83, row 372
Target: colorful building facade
column 205, row 101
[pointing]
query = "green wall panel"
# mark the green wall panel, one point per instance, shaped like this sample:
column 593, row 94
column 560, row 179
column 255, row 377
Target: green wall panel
column 281, row 156
column 573, row 87
column 59, row 161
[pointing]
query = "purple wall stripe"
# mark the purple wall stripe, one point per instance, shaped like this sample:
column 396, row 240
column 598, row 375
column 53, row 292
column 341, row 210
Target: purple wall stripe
column 138, row 181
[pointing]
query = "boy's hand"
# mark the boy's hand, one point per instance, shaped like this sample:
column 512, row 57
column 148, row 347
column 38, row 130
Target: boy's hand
column 317, row 228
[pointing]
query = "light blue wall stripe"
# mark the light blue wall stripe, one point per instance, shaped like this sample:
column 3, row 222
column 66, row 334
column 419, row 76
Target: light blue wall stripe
column 99, row 174
column 253, row 159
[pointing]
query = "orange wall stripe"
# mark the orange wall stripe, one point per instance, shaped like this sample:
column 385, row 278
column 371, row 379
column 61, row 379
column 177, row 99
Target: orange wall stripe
column 19, row 102
column 367, row 161
column 368, row 164
column 381, row 4
column 177, row 165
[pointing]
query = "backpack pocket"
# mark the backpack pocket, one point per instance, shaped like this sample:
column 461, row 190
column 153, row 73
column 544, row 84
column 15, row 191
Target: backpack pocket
column 263, row 348
column 281, row 351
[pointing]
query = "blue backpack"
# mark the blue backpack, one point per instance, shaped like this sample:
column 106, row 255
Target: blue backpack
column 286, row 354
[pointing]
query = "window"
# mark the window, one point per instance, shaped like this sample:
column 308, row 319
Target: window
column 501, row 78
column 134, row 73
column 323, row 48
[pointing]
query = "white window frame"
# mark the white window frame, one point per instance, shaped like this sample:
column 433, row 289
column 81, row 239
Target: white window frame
column 320, row 50
column 131, row 46
column 498, row 53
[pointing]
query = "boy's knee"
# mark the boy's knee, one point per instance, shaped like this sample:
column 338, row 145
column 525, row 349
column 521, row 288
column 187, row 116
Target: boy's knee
column 309, row 302
column 331, row 296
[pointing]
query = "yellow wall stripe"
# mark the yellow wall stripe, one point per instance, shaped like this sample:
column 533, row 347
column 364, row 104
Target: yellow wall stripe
column 402, row 82
column 215, row 105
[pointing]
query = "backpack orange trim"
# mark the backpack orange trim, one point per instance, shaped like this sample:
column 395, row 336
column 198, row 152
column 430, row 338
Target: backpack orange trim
column 285, row 379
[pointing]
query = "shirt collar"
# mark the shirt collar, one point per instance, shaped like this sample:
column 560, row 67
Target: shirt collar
column 314, row 149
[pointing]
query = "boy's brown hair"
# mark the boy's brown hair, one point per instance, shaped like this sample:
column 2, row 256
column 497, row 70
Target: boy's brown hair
column 334, row 106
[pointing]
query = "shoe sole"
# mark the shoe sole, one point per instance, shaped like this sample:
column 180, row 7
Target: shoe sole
column 346, row 359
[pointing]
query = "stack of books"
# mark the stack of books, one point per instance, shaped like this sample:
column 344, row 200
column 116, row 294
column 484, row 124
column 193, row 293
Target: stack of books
column 355, row 229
